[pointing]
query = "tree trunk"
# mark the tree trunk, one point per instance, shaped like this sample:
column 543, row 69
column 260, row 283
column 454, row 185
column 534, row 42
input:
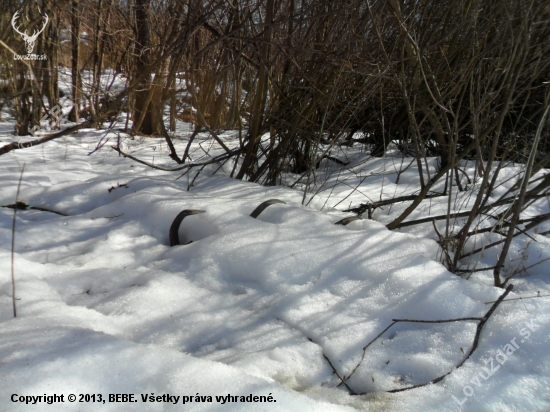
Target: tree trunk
column 259, row 98
column 75, row 37
column 148, row 97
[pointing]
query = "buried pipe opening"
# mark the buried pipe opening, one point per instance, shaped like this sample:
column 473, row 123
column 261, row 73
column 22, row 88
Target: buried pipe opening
column 263, row 206
column 174, row 228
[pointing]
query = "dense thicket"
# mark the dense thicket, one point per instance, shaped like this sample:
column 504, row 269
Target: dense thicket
column 430, row 75
column 449, row 78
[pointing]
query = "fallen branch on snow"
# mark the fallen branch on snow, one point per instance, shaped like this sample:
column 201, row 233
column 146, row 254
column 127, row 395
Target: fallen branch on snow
column 23, row 206
column 482, row 321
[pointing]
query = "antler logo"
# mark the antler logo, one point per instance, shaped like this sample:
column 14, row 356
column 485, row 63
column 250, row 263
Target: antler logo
column 30, row 40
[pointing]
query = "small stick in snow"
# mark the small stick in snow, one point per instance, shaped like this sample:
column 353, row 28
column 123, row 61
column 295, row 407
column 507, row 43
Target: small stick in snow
column 23, row 206
column 363, row 207
column 347, row 220
column 263, row 206
column 334, row 159
column 173, row 232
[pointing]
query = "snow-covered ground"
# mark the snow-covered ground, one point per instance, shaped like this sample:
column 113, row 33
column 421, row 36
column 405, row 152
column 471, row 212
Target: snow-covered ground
column 252, row 306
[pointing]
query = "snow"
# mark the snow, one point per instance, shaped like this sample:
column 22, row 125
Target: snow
column 252, row 306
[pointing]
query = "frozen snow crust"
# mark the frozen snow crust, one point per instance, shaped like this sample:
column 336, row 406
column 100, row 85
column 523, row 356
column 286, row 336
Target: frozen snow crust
column 250, row 307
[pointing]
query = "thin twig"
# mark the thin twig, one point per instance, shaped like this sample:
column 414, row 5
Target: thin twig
column 373, row 205
column 521, row 298
column 13, row 243
column 342, row 380
column 474, row 270
column 175, row 169
column 102, row 143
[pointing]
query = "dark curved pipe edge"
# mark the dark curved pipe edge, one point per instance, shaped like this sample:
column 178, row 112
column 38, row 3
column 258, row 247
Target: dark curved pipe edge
column 263, row 206
column 174, row 228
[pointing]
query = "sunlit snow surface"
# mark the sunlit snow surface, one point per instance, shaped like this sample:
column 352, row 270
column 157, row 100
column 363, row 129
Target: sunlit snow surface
column 250, row 307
